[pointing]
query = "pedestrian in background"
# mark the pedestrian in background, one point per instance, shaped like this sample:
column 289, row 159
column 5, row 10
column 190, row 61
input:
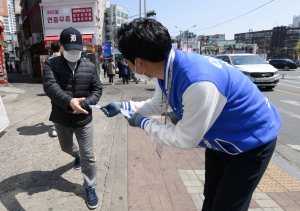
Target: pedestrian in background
column 111, row 71
column 72, row 83
column 123, row 70
column 55, row 52
column 238, row 127
column 11, row 67
column 105, row 68
column 17, row 67
column 7, row 66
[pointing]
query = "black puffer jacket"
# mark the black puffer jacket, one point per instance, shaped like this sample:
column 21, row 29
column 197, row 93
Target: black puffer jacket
column 60, row 85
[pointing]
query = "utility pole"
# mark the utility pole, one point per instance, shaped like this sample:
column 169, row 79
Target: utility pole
column 145, row 12
column 113, row 32
column 187, row 41
column 140, row 9
column 285, row 48
column 179, row 46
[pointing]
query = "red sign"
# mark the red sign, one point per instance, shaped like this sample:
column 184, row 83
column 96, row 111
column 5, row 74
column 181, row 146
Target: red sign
column 87, row 41
column 82, row 14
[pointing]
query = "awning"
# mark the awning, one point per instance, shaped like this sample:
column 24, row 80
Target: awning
column 49, row 39
column 87, row 39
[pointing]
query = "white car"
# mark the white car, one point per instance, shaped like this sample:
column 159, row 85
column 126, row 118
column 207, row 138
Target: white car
column 257, row 69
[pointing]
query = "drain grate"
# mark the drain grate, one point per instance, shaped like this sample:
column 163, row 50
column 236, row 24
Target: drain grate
column 277, row 180
column 7, row 93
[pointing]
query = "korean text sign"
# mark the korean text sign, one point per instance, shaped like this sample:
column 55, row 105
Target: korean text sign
column 69, row 16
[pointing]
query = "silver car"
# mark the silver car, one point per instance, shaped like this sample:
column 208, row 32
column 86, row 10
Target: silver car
column 254, row 67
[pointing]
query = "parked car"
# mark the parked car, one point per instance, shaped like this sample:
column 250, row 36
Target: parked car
column 285, row 64
column 254, row 67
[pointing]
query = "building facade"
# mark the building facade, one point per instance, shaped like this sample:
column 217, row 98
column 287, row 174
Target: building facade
column 115, row 15
column 280, row 42
column 10, row 21
column 296, row 21
column 41, row 22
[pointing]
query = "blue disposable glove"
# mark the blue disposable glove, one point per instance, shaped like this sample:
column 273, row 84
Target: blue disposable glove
column 138, row 120
column 113, row 108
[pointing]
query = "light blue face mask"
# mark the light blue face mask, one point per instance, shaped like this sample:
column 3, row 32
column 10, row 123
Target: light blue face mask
column 143, row 77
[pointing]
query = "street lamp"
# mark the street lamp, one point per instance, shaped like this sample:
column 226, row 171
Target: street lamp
column 187, row 36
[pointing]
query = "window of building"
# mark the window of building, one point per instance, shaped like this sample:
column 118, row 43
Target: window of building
column 107, row 37
column 118, row 13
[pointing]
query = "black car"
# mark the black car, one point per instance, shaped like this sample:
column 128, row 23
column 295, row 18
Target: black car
column 284, row 64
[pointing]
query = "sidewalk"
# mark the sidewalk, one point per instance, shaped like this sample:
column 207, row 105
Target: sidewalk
column 175, row 182
column 37, row 175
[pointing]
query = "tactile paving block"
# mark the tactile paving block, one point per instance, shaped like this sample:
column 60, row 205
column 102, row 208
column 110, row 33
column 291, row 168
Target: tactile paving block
column 277, row 180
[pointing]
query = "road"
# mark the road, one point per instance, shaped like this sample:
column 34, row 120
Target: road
column 286, row 98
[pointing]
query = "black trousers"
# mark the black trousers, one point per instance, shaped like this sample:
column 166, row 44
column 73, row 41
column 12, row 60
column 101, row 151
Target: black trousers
column 125, row 79
column 230, row 180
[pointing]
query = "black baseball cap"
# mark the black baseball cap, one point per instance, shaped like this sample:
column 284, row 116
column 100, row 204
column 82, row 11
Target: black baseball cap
column 71, row 38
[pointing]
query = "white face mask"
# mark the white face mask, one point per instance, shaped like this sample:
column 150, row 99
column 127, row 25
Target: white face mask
column 72, row 55
column 143, row 77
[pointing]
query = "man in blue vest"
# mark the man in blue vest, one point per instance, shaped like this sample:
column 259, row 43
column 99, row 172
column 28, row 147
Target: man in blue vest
column 217, row 106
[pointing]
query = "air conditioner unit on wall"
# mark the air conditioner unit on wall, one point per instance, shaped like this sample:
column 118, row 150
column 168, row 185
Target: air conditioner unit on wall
column 37, row 38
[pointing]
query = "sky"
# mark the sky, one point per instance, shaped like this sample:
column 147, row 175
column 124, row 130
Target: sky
column 227, row 17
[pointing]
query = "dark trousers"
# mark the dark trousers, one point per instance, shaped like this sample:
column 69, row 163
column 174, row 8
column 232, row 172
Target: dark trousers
column 111, row 78
column 105, row 73
column 125, row 79
column 230, row 180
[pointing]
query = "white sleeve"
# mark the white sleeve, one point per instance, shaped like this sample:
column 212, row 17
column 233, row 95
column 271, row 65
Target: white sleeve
column 202, row 104
column 151, row 106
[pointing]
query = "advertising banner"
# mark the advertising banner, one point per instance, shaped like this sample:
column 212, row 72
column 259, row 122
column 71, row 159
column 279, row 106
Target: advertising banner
column 4, row 122
column 106, row 49
column 3, row 8
column 69, row 16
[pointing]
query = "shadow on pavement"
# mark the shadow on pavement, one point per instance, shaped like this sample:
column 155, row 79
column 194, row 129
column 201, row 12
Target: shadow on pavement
column 36, row 129
column 36, row 182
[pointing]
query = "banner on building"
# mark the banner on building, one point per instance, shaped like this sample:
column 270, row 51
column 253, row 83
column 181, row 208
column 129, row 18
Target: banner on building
column 106, row 49
column 69, row 16
column 4, row 122
column 3, row 8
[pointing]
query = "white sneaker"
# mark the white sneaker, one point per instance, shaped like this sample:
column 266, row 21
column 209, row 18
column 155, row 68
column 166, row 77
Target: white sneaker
column 54, row 134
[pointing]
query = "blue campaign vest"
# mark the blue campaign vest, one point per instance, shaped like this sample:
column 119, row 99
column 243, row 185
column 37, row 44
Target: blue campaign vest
column 248, row 119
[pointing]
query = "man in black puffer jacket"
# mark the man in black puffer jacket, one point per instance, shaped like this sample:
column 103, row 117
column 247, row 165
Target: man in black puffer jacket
column 72, row 84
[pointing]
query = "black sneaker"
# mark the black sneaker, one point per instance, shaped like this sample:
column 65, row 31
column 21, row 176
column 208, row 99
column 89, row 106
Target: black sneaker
column 77, row 163
column 91, row 198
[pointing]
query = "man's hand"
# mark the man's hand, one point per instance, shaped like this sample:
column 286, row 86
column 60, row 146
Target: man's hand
column 138, row 120
column 113, row 108
column 75, row 104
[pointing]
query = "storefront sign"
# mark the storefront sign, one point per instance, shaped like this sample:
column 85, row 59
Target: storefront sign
column 82, row 14
column 68, row 16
